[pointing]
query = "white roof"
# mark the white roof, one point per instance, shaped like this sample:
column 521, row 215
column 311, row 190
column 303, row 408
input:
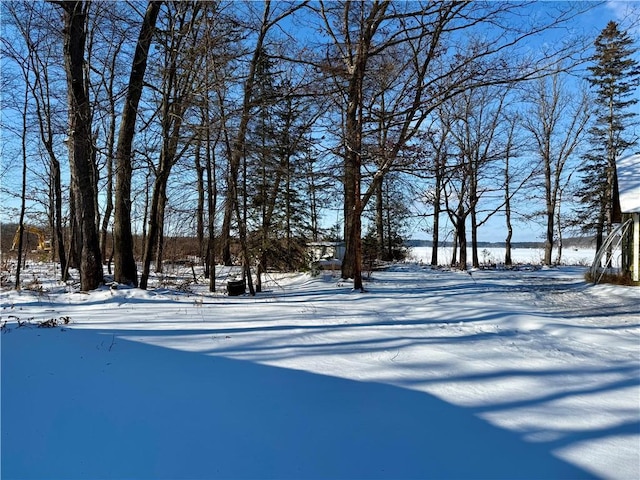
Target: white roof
column 628, row 169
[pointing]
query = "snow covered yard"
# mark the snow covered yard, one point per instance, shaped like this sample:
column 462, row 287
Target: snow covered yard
column 430, row 374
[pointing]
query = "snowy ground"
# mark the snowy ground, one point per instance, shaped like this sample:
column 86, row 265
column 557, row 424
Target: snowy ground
column 430, row 374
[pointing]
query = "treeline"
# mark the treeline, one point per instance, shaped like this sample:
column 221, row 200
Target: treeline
column 251, row 126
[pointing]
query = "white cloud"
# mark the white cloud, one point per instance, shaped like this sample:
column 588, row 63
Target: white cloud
column 627, row 14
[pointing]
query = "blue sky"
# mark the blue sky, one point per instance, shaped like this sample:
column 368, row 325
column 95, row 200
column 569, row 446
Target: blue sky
column 590, row 23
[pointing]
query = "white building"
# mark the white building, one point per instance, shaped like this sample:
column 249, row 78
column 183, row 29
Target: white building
column 326, row 250
column 628, row 170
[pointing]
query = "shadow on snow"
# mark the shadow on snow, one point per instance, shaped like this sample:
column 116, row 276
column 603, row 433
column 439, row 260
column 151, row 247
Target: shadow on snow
column 132, row 410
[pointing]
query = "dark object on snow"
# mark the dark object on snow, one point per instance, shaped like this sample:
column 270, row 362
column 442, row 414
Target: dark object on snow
column 236, row 287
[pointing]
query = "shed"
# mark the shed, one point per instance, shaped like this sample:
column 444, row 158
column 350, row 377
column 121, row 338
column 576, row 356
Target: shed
column 319, row 251
column 628, row 203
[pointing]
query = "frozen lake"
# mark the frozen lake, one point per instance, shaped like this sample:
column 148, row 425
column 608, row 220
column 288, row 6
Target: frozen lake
column 492, row 255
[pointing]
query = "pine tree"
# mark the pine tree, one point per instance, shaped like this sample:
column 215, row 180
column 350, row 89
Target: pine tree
column 614, row 76
column 276, row 214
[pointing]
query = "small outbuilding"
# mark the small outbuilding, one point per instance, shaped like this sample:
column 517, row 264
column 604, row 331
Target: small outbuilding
column 627, row 204
column 319, row 251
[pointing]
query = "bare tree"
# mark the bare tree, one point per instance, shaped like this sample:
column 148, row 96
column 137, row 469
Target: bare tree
column 353, row 45
column 557, row 122
column 80, row 143
column 431, row 149
column 481, row 145
column 509, row 154
column 125, row 270
column 179, row 71
column 218, row 38
column 107, row 46
column 41, row 54
column 26, row 73
column 443, row 59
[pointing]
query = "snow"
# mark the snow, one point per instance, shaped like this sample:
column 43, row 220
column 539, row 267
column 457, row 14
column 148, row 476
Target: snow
column 496, row 255
column 628, row 170
column 528, row 373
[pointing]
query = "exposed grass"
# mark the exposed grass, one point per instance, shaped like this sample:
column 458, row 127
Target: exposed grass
column 611, row 278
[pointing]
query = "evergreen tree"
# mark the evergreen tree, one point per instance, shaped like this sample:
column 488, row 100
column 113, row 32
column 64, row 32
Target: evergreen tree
column 276, row 214
column 614, row 76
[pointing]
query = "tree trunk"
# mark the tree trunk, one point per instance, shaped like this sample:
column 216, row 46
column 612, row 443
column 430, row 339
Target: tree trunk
column 313, row 201
column 212, row 194
column 225, row 235
column 111, row 140
column 454, row 253
column 380, row 236
column 559, row 228
column 475, row 260
column 600, row 230
column 91, row 275
column 462, row 243
column 508, row 261
column 211, row 249
column 389, row 231
column 549, row 201
column 548, row 239
column 352, row 262
column 104, row 229
column 473, row 203
column 237, row 150
column 57, row 218
column 23, row 191
column 507, row 210
column 159, row 253
column 125, row 270
column 461, row 236
column 353, row 204
column 151, row 241
column 435, row 236
column 200, row 203
column 73, row 251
